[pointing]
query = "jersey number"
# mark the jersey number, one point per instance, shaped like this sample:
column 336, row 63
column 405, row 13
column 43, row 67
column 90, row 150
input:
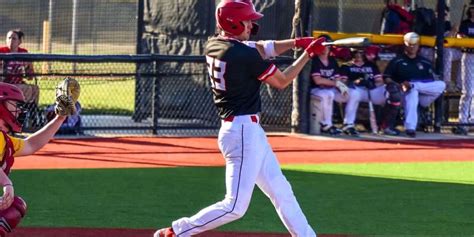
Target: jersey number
column 216, row 69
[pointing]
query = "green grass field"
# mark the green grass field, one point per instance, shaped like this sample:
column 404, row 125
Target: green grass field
column 98, row 96
column 361, row 199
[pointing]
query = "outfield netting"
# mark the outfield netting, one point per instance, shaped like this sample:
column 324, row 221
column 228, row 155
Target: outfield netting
column 166, row 95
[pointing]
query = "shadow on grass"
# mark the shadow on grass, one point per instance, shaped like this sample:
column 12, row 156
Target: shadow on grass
column 152, row 198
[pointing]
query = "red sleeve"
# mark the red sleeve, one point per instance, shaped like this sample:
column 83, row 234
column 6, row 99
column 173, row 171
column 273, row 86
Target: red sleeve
column 22, row 50
column 4, row 50
column 268, row 73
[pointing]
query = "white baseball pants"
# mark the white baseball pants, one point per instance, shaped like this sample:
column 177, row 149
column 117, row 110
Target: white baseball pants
column 450, row 55
column 327, row 97
column 466, row 105
column 249, row 161
column 423, row 93
column 361, row 94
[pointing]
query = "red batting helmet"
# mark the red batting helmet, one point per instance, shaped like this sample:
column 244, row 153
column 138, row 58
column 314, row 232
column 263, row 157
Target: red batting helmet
column 231, row 13
column 10, row 92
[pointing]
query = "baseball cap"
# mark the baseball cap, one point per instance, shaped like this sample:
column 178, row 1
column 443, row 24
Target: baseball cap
column 411, row 38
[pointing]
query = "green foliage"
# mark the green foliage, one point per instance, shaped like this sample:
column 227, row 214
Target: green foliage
column 333, row 203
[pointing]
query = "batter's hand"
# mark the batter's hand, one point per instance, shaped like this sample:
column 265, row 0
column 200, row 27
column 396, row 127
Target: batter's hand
column 303, row 42
column 7, row 199
column 316, row 47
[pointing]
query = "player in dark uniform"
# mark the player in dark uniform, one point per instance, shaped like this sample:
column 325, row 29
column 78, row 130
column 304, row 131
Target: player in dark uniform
column 236, row 71
column 466, row 104
column 363, row 77
column 414, row 75
column 326, row 85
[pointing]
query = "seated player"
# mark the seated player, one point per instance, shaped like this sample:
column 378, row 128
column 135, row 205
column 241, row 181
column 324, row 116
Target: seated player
column 365, row 83
column 326, row 84
column 414, row 75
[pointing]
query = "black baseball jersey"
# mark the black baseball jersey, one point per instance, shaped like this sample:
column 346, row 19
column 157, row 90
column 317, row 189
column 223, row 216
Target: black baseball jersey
column 329, row 71
column 236, row 72
column 402, row 68
column 467, row 28
column 352, row 72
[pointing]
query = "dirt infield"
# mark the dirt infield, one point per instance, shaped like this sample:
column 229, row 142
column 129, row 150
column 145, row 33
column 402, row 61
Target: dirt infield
column 173, row 152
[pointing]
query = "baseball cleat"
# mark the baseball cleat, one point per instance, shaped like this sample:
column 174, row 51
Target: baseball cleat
column 460, row 130
column 349, row 129
column 165, row 232
column 410, row 133
column 331, row 130
column 391, row 132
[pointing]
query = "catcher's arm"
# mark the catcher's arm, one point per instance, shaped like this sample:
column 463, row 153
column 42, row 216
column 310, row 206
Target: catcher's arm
column 67, row 93
column 40, row 138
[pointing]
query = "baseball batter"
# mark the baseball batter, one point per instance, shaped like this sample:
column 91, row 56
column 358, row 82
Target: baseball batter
column 466, row 104
column 237, row 70
column 13, row 208
column 414, row 74
column 363, row 77
column 326, row 85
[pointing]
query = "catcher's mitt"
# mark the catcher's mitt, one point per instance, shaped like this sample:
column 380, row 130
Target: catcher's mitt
column 67, row 93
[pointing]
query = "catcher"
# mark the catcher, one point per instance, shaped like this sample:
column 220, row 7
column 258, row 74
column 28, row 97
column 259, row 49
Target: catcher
column 13, row 208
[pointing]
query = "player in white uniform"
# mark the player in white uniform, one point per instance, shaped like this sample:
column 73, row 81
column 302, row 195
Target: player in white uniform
column 414, row 74
column 466, row 104
column 326, row 84
column 236, row 71
column 363, row 77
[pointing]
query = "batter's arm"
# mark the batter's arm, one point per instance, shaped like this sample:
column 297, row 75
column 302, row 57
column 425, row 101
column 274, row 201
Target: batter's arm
column 281, row 80
column 273, row 48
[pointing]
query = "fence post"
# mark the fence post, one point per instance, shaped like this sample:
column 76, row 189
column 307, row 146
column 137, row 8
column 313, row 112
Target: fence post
column 440, row 29
column 156, row 99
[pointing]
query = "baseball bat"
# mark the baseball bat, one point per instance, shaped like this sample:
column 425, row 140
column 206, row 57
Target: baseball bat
column 462, row 14
column 353, row 41
column 372, row 118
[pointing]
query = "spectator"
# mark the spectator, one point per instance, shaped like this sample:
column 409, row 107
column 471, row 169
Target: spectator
column 396, row 19
column 363, row 77
column 325, row 79
column 466, row 106
column 17, row 71
column 413, row 74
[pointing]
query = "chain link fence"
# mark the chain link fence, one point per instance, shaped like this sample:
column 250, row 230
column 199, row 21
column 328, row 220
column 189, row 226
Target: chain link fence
column 179, row 102
column 170, row 91
column 73, row 26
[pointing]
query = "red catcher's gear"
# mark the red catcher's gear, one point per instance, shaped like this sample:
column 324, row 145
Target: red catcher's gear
column 11, row 217
column 10, row 92
column 231, row 13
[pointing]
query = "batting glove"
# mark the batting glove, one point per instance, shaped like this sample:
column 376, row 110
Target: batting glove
column 303, row 42
column 316, row 47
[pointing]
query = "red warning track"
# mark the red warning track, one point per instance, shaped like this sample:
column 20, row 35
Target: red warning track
column 162, row 152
